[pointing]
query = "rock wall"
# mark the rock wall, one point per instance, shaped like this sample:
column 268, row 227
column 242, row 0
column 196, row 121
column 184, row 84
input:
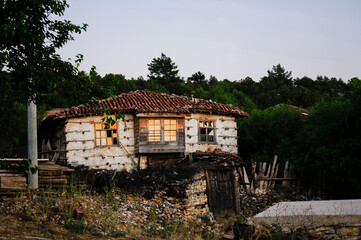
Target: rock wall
column 81, row 149
column 341, row 231
column 196, row 200
column 226, row 133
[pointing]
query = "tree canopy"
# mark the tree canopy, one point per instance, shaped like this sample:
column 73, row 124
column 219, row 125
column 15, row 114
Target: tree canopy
column 165, row 73
column 31, row 32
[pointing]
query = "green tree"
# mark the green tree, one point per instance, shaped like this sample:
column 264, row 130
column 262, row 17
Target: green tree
column 164, row 71
column 198, row 77
column 31, row 32
column 269, row 132
column 275, row 88
column 30, row 35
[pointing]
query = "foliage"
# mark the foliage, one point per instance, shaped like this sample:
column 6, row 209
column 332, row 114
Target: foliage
column 29, row 38
column 31, row 32
column 18, row 166
column 165, row 73
column 326, row 144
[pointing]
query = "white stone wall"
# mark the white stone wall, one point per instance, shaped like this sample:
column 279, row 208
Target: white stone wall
column 226, row 133
column 81, row 149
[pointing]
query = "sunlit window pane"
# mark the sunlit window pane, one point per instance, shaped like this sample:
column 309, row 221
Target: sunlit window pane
column 104, row 137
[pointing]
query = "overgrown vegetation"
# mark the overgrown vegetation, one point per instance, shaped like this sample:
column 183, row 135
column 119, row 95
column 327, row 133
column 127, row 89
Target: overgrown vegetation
column 106, row 214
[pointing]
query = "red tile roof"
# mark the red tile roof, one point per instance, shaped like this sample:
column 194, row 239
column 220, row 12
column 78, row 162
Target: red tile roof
column 143, row 101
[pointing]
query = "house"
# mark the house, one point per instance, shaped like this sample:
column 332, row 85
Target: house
column 157, row 129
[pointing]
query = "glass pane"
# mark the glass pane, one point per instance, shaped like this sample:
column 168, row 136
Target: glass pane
column 157, row 122
column 115, row 141
column 203, row 130
column 98, row 126
column 167, row 133
column 210, row 124
column 103, row 142
column 167, row 138
column 151, row 122
column 114, row 126
column 109, row 133
column 97, row 142
column 173, row 138
column 210, row 138
column 157, row 139
column 201, row 123
column 97, row 134
column 109, row 141
column 103, row 134
column 173, row 133
column 115, row 135
column 203, row 138
column 166, row 122
column 157, row 127
column 210, row 131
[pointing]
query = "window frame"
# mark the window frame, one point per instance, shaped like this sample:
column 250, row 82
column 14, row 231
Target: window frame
column 163, row 130
column 113, row 128
column 200, row 135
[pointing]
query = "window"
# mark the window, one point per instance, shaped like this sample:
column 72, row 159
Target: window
column 206, row 132
column 170, row 130
column 154, row 130
column 105, row 137
column 162, row 130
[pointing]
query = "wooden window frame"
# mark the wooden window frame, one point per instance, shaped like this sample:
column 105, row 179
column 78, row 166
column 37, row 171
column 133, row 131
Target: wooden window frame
column 111, row 130
column 200, row 130
column 163, row 130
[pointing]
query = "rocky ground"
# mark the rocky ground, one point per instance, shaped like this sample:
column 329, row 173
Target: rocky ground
column 108, row 215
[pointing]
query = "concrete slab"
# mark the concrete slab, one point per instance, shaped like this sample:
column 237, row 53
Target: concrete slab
column 312, row 213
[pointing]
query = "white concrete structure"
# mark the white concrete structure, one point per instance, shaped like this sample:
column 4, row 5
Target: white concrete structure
column 311, row 213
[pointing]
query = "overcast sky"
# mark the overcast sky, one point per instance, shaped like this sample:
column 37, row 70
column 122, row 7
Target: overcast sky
column 229, row 39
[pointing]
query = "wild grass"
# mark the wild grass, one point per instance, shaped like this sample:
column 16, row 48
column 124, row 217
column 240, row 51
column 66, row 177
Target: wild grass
column 109, row 213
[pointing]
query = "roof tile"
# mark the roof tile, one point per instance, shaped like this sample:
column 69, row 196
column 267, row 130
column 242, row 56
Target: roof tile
column 143, row 101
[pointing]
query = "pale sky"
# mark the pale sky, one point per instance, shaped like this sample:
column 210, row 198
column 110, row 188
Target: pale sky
column 229, row 39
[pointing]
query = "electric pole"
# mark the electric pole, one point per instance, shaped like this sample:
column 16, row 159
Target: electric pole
column 32, row 144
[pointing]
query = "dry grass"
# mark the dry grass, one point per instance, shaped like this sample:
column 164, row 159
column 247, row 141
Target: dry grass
column 78, row 214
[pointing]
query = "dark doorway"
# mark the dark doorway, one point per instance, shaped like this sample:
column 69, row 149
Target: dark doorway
column 221, row 190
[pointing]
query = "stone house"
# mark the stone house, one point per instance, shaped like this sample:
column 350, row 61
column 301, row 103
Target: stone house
column 158, row 129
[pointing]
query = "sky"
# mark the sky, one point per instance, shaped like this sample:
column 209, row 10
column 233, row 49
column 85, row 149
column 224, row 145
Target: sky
column 229, row 39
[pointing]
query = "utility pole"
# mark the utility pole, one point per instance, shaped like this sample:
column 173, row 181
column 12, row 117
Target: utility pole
column 32, row 144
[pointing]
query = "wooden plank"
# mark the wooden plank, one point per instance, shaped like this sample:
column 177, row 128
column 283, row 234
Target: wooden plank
column 12, row 175
column 22, row 159
column 50, row 173
column 272, row 170
column 285, row 184
column 275, row 175
column 55, row 180
column 54, row 177
column 246, row 180
column 12, row 182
